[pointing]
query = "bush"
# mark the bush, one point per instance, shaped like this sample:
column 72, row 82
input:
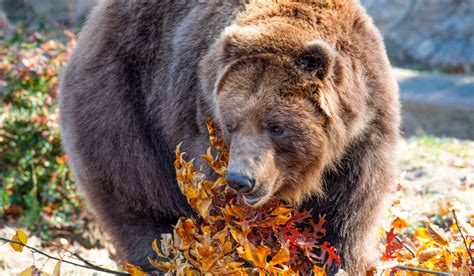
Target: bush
column 36, row 181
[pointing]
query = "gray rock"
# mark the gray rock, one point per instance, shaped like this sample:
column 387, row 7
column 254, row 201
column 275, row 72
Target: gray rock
column 427, row 33
column 438, row 105
column 70, row 12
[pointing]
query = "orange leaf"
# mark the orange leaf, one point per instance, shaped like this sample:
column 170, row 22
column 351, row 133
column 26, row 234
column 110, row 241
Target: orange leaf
column 133, row 270
column 399, row 223
column 282, row 256
column 163, row 266
column 258, row 256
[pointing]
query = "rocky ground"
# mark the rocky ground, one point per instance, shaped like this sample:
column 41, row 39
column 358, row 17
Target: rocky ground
column 436, row 174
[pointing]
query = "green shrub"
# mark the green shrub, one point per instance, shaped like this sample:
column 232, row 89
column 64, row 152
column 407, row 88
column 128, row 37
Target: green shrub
column 35, row 180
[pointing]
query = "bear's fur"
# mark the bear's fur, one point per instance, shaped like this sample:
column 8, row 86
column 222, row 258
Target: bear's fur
column 302, row 89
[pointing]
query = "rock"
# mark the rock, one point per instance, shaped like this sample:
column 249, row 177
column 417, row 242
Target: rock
column 427, row 33
column 69, row 12
column 437, row 105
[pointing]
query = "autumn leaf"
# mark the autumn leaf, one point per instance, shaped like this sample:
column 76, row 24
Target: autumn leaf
column 392, row 245
column 57, row 269
column 21, row 237
column 399, row 223
column 256, row 255
column 282, row 257
column 427, row 254
column 28, row 271
column 437, row 234
column 134, row 270
column 161, row 265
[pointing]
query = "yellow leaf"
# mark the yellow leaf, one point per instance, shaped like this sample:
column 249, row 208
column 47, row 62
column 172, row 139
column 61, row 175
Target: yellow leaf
column 319, row 271
column 427, row 254
column 133, row 270
column 235, row 265
column 57, row 269
column 257, row 255
column 445, row 207
column 157, row 250
column 277, row 220
column 188, row 271
column 227, row 247
column 205, row 251
column 422, row 233
column 21, row 237
column 281, row 210
column 28, row 271
column 282, row 257
column 163, row 266
column 436, row 233
column 203, row 207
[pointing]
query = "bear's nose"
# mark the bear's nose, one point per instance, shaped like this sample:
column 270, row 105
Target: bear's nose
column 240, row 183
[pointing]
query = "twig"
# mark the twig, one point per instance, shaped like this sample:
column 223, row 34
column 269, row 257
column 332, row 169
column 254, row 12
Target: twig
column 406, row 246
column 424, row 270
column 87, row 265
column 78, row 257
column 463, row 238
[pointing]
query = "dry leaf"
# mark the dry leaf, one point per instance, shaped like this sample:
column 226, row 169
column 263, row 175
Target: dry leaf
column 427, row 254
column 437, row 234
column 21, row 237
column 57, row 269
column 133, row 270
column 28, row 271
column 399, row 224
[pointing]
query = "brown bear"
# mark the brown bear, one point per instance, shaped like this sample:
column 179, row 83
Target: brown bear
column 303, row 91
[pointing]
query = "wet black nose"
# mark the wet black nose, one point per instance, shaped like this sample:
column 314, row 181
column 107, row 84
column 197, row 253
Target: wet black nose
column 240, row 183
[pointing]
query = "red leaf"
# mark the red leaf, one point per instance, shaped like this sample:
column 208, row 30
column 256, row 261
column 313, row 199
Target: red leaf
column 392, row 245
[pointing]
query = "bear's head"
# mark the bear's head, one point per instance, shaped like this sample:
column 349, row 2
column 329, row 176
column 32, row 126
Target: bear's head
column 273, row 94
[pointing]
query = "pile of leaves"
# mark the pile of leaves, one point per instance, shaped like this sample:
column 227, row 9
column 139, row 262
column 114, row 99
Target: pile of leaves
column 430, row 248
column 229, row 237
column 35, row 180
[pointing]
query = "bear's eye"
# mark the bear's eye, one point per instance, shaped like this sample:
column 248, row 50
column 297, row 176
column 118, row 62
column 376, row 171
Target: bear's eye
column 275, row 130
column 230, row 128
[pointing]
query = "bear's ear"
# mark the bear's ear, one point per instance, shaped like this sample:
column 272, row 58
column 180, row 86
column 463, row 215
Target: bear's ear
column 317, row 59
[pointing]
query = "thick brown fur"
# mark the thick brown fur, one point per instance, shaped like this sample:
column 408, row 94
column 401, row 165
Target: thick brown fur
column 303, row 91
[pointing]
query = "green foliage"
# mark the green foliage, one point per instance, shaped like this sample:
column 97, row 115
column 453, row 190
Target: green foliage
column 35, row 180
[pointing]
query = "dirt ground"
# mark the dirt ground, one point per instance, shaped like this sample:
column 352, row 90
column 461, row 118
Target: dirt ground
column 436, row 174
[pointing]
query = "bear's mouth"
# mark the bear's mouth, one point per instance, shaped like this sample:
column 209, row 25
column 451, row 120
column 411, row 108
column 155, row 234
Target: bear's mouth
column 251, row 200
column 256, row 198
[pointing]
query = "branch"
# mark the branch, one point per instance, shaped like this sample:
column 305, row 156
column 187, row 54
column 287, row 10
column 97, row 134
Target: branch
column 78, row 257
column 463, row 238
column 423, row 270
column 406, row 246
column 87, row 265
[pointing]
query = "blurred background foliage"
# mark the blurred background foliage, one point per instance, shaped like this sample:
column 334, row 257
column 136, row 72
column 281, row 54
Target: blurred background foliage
column 36, row 181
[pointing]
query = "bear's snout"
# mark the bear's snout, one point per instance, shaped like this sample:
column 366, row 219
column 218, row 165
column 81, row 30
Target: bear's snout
column 240, row 183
